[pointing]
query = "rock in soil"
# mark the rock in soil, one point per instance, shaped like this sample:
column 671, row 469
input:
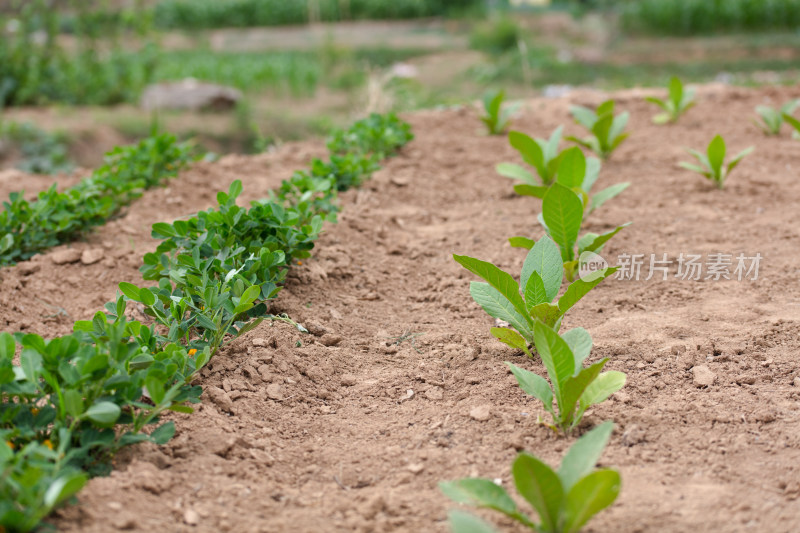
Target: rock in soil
column 703, row 376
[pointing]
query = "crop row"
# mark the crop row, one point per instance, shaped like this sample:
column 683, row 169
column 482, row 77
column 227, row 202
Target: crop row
column 529, row 312
column 54, row 218
column 72, row 402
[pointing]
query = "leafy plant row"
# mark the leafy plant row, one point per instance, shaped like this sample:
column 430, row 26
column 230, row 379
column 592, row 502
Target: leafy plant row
column 72, row 402
column 58, row 217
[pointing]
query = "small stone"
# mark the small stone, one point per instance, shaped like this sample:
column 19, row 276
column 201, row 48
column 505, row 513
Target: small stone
column 745, row 379
column 114, row 506
column 348, row 380
column 416, row 468
column 274, row 392
column 191, row 517
column 260, row 342
column 481, row 413
column 796, row 382
column 703, row 376
column 28, row 268
column 92, row 256
column 220, row 398
column 686, row 362
column 389, row 350
column 678, row 349
column 68, row 255
column 621, row 397
column 316, row 329
column 329, row 339
column 515, row 441
column 434, row 394
column 400, row 181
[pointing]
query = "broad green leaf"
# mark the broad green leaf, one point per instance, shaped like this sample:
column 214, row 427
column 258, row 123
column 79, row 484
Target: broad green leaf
column 693, row 168
column 535, row 293
column 617, row 125
column 579, row 288
column 573, row 389
column 607, row 194
column 545, row 259
column 547, row 313
column 572, row 168
column 162, row 230
column 593, row 166
column 793, row 122
column 583, row 116
column 163, row 433
column 551, row 149
column 31, row 363
column 716, row 155
column 7, row 346
column 562, row 211
column 461, row 522
column 498, row 279
column 511, row 338
column 598, row 241
column 480, row 493
column 537, row 191
column 558, row 359
column 6, row 242
column 588, row 497
column 580, row 342
column 582, row 456
column 529, row 149
column 64, row 487
column 205, row 322
column 533, row 385
column 73, row 402
column 103, row 413
column 498, row 306
column 676, row 92
column 521, row 242
column 601, row 388
column 515, row 172
column 235, row 189
column 146, row 297
column 130, row 290
column 540, row 486
column 606, row 107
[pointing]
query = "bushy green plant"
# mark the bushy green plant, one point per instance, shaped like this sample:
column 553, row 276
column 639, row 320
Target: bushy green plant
column 573, row 387
column 605, row 128
column 41, row 152
column 712, row 162
column 533, row 299
column 497, row 35
column 58, row 217
column 772, row 119
column 679, row 102
column 565, row 500
column 496, row 116
column 378, row 135
column 576, row 172
column 541, row 154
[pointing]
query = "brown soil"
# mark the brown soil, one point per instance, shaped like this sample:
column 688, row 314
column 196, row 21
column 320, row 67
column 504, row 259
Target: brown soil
column 352, row 430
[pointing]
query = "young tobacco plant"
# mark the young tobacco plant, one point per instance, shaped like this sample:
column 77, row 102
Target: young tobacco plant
column 564, row 499
column 533, row 300
column 496, row 117
column 794, row 123
column 578, row 173
column 562, row 215
column 772, row 119
column 541, row 154
column 679, row 102
column 574, row 387
column 605, row 128
column 713, row 161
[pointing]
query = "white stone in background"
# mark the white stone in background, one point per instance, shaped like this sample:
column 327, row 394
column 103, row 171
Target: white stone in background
column 189, row 94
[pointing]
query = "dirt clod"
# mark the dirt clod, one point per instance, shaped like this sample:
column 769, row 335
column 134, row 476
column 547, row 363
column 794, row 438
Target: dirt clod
column 703, row 376
column 481, row 413
column 65, row 256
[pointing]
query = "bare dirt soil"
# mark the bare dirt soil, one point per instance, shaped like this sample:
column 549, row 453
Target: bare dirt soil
column 350, row 428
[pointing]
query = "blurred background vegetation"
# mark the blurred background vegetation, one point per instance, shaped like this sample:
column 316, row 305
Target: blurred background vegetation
column 73, row 72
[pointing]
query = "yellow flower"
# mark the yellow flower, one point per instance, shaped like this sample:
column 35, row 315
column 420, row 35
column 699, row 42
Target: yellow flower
column 192, row 351
column 48, row 443
column 35, row 411
column 299, row 262
column 10, row 445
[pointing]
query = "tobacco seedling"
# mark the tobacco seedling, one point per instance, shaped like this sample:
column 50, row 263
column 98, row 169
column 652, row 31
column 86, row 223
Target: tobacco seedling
column 565, row 500
column 574, row 387
column 578, row 173
column 713, row 161
column 541, row 154
column 794, row 123
column 496, row 117
column 533, row 299
column 562, row 215
column 605, row 128
column 772, row 119
column 679, row 102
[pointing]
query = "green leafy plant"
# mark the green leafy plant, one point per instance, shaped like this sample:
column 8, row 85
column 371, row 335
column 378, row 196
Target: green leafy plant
column 794, row 123
column 579, row 174
column 496, row 116
column 378, row 135
column 58, row 217
column 573, row 387
column 562, row 215
column 772, row 119
column 541, row 154
column 565, row 500
column 679, row 102
column 531, row 300
column 605, row 128
column 41, row 152
column 713, row 161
